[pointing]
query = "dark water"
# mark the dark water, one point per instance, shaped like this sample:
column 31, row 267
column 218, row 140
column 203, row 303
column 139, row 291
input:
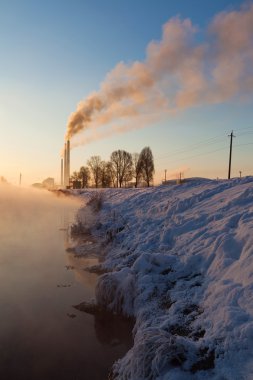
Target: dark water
column 41, row 335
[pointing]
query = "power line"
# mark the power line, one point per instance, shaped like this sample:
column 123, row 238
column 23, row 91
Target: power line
column 206, row 153
column 238, row 145
column 206, row 142
column 192, row 147
column 198, row 155
column 244, row 133
column 247, row 128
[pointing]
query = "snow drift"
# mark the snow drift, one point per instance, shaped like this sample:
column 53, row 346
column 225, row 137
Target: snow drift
column 180, row 261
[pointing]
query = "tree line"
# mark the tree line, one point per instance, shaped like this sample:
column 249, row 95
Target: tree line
column 122, row 168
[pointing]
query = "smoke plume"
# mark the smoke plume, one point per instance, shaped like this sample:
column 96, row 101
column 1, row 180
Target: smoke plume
column 179, row 72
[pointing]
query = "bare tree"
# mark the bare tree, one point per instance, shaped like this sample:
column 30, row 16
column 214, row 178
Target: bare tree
column 106, row 174
column 75, row 176
column 136, row 168
column 94, row 164
column 146, row 163
column 84, row 175
column 103, row 175
column 123, row 166
column 111, row 173
column 115, row 160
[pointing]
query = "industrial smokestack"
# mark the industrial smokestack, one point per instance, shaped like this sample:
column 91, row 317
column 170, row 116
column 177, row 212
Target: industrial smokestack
column 61, row 172
column 68, row 162
column 65, row 164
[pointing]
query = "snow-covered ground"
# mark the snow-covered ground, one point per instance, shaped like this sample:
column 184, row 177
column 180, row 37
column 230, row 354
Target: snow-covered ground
column 180, row 260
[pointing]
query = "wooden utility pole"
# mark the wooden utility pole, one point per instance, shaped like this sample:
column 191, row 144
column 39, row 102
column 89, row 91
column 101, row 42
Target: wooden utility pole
column 165, row 171
column 230, row 153
column 240, row 173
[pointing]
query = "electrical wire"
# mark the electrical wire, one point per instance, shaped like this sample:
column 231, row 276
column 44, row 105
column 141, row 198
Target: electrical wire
column 203, row 143
column 199, row 155
column 238, row 145
column 208, row 142
column 244, row 133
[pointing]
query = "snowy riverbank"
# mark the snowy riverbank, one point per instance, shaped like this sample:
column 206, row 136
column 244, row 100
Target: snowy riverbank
column 179, row 259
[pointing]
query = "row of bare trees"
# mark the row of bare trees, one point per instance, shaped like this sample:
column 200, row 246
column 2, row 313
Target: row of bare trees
column 122, row 169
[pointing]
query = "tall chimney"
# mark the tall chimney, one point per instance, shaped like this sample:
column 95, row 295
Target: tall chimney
column 65, row 165
column 61, row 172
column 68, row 161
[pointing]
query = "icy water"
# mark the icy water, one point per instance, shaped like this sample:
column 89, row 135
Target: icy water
column 41, row 335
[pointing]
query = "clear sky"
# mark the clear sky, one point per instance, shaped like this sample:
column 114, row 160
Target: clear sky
column 55, row 53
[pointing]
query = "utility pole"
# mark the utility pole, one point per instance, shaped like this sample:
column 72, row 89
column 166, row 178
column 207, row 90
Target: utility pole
column 230, row 153
column 165, row 171
column 240, row 173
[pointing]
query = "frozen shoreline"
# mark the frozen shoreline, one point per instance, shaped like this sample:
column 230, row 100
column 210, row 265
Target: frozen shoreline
column 179, row 260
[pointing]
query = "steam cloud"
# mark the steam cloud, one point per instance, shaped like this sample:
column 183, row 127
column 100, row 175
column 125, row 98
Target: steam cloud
column 178, row 72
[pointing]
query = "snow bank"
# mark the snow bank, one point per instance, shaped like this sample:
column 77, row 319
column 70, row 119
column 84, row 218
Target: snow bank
column 180, row 261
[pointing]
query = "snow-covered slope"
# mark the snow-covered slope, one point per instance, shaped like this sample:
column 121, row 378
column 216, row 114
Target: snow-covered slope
column 180, row 260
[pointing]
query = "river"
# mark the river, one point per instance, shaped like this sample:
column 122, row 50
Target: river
column 41, row 335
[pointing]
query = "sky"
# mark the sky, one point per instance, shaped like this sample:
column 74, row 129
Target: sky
column 172, row 75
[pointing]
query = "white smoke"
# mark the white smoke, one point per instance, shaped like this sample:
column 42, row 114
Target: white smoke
column 178, row 72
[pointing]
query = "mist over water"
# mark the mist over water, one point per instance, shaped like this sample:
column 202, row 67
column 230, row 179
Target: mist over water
column 41, row 335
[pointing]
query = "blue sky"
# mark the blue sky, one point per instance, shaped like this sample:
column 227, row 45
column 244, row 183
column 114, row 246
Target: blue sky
column 55, row 53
